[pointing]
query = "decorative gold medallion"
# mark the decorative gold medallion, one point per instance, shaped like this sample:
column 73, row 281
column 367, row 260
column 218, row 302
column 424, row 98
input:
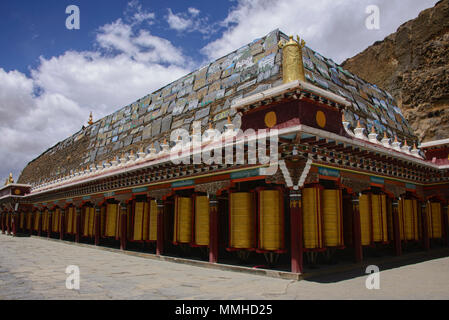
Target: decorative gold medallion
column 17, row 192
column 321, row 119
column 270, row 119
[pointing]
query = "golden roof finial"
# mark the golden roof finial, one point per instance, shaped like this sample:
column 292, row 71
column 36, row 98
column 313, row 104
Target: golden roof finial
column 229, row 119
column 358, row 124
column 292, row 63
column 373, row 130
column 343, row 119
column 91, row 122
column 385, row 135
column 9, row 180
column 396, row 138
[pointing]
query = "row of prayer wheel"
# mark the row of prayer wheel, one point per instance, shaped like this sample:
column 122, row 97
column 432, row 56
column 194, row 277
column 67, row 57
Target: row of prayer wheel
column 256, row 220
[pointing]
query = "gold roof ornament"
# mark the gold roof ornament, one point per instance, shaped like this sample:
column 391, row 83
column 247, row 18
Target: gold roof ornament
column 292, row 63
column 9, row 180
column 91, row 122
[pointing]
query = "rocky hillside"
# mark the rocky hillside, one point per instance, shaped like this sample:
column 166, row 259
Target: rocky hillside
column 413, row 65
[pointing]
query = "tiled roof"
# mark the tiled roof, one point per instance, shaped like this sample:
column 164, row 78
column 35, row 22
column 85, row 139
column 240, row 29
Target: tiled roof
column 206, row 95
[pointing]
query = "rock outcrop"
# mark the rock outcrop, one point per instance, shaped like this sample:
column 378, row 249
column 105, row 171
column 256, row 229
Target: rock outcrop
column 413, row 65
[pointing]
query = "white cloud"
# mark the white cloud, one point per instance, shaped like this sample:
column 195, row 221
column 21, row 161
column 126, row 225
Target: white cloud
column 194, row 11
column 190, row 22
column 135, row 15
column 335, row 28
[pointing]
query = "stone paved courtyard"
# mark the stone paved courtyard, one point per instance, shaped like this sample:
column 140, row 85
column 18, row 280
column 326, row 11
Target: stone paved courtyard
column 32, row 268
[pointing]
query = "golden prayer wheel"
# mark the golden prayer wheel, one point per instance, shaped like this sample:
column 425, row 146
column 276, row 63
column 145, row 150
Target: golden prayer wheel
column 89, row 222
column 29, row 220
column 153, row 221
column 434, row 219
column 271, row 220
column 379, row 217
column 408, row 216
column 366, row 227
column 55, row 220
column 36, row 216
column 182, row 232
column 70, row 220
column 202, row 221
column 45, row 221
column 332, row 218
column 22, row 219
column 312, row 219
column 140, row 221
column 242, row 221
column 111, row 220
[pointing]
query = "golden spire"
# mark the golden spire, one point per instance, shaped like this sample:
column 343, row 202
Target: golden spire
column 343, row 119
column 91, row 122
column 359, row 125
column 385, row 135
column 373, row 130
column 229, row 119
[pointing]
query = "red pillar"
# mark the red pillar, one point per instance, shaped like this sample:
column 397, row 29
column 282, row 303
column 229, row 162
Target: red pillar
column 78, row 224
column 160, row 228
column 123, row 225
column 296, row 232
column 8, row 224
column 357, row 231
column 425, row 230
column 61, row 224
column 213, row 229
column 397, row 233
column 97, row 225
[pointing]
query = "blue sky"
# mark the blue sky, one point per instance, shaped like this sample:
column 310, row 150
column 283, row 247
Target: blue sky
column 37, row 28
column 51, row 78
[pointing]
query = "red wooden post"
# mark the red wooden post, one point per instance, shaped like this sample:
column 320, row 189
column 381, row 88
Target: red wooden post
column 78, row 225
column 97, row 225
column 296, row 232
column 8, row 223
column 160, row 228
column 397, row 233
column 124, row 225
column 357, row 230
column 213, row 229
column 61, row 224
column 425, row 227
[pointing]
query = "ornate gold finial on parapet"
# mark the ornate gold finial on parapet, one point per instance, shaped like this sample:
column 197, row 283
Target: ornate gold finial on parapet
column 9, row 180
column 292, row 63
column 91, row 122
